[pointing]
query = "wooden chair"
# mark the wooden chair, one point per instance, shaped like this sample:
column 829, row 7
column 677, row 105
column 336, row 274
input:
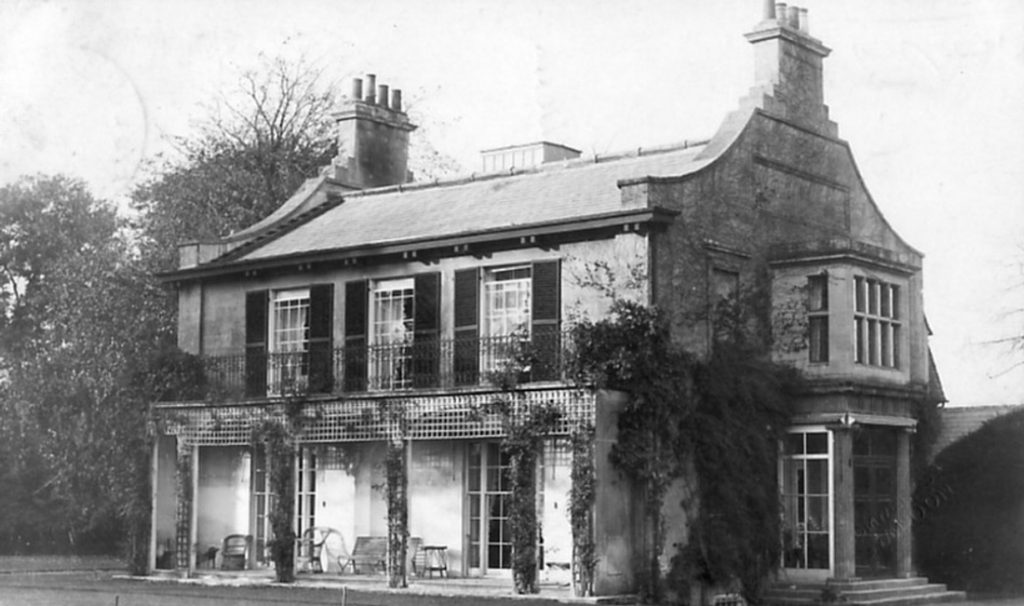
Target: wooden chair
column 414, row 557
column 368, row 551
column 312, row 545
column 235, row 552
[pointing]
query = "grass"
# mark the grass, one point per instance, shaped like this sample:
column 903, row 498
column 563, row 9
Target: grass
column 59, row 563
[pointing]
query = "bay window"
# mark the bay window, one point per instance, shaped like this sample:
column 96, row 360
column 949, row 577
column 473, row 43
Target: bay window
column 877, row 323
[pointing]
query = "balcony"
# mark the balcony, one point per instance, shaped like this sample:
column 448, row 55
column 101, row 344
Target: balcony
column 417, row 365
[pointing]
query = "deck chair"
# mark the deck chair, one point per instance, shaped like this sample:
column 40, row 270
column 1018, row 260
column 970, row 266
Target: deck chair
column 235, row 552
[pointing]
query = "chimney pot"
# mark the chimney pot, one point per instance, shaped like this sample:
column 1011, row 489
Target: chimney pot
column 371, row 87
column 396, row 100
column 382, row 95
column 793, row 16
column 780, row 12
column 804, row 25
column 357, row 89
column 769, row 10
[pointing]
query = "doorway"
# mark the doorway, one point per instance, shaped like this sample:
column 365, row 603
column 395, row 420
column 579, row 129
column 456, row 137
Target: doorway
column 488, row 492
column 874, row 501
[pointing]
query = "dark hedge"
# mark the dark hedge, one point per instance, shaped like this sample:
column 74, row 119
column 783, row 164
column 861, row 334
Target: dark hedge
column 969, row 510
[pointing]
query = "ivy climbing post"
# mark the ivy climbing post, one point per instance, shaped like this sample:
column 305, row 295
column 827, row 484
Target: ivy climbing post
column 396, row 489
column 526, row 427
column 277, row 445
column 397, row 495
column 582, row 497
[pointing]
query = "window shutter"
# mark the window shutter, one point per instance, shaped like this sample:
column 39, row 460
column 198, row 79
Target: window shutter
column 467, row 326
column 426, row 341
column 256, row 343
column 356, row 293
column 321, row 326
column 545, row 317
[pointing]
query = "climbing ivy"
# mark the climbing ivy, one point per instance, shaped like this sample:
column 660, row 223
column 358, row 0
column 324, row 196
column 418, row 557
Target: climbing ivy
column 712, row 422
column 526, row 426
column 396, row 492
column 631, row 351
column 582, row 497
column 277, row 439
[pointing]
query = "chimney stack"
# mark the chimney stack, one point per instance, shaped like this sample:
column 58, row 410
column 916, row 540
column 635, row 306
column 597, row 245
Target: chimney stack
column 788, row 65
column 373, row 137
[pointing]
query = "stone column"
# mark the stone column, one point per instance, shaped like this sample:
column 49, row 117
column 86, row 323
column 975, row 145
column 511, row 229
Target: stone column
column 904, row 501
column 844, row 537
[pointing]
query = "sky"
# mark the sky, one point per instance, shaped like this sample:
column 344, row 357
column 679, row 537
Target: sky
column 929, row 94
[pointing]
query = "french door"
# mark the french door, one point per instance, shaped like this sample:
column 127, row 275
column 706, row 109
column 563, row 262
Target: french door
column 488, row 493
column 806, row 486
column 262, row 501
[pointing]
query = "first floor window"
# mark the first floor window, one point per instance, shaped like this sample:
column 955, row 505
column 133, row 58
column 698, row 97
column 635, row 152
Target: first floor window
column 506, row 314
column 817, row 318
column 289, row 340
column 392, row 334
column 877, row 323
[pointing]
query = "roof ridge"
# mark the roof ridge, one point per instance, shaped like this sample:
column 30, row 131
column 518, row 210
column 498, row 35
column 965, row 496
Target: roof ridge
column 639, row 152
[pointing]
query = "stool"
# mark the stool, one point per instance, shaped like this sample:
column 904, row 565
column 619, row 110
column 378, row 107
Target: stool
column 435, row 559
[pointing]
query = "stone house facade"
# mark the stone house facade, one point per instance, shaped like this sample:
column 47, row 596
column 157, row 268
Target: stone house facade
column 369, row 292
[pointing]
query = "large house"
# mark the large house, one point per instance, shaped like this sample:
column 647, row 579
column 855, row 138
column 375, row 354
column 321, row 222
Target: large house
column 368, row 292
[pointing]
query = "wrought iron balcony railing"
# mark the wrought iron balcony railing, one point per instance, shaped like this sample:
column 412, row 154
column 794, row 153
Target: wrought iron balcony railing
column 417, row 364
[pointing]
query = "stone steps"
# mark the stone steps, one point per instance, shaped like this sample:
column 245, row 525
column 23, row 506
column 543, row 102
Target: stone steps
column 873, row 592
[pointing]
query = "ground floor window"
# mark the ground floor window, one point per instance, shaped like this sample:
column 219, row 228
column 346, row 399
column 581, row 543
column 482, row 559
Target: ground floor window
column 805, row 478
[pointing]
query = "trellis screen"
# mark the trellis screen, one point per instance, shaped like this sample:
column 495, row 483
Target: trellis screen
column 464, row 416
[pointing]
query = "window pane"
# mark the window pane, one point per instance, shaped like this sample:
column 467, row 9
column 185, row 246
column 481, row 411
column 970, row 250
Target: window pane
column 895, row 302
column 817, row 293
column 859, row 340
column 886, row 345
column 817, row 551
column 872, row 297
column 817, row 476
column 860, row 295
column 886, row 301
column 817, row 514
column 818, row 328
column 896, row 346
column 795, row 443
column 873, row 342
column 817, row 443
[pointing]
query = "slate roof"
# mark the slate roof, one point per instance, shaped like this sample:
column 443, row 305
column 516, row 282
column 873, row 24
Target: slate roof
column 559, row 191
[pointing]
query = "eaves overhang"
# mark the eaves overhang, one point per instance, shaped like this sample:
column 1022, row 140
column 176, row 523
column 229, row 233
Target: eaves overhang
column 426, row 249
column 841, row 249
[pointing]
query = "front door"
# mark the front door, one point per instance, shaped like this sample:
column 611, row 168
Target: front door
column 489, row 547
column 874, row 501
